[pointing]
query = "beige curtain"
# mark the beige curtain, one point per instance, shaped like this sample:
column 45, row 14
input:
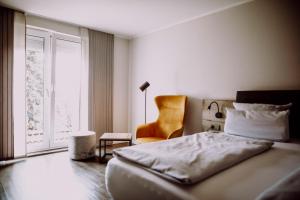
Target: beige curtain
column 101, row 48
column 6, row 69
column 84, row 86
column 19, row 85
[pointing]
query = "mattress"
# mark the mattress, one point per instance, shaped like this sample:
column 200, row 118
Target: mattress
column 245, row 180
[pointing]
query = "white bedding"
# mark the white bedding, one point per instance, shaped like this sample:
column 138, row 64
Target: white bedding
column 193, row 158
column 286, row 188
column 245, row 180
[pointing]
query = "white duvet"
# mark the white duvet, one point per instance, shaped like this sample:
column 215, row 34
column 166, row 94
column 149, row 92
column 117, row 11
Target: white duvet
column 191, row 159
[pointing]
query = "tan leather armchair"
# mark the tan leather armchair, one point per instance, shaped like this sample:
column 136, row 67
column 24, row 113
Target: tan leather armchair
column 170, row 122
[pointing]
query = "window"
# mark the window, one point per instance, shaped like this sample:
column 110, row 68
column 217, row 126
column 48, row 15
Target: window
column 53, row 65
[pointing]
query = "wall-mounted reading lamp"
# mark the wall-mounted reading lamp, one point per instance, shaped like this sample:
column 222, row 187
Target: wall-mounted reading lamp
column 144, row 88
column 218, row 114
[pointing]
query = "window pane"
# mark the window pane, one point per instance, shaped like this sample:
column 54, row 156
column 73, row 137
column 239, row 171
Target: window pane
column 34, row 90
column 67, row 89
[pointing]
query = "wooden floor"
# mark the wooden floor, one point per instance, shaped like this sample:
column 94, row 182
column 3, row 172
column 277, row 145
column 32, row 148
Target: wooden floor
column 53, row 177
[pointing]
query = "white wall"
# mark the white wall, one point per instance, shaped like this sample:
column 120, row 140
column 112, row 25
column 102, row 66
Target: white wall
column 254, row 46
column 53, row 25
column 120, row 85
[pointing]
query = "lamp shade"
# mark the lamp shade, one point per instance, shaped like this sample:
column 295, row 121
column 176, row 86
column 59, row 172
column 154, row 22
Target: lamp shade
column 144, row 86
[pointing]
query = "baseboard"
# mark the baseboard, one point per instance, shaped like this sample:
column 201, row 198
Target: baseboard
column 47, row 152
column 11, row 162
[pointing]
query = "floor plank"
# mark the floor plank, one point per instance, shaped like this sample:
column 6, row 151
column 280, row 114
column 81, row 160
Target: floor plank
column 2, row 193
column 53, row 176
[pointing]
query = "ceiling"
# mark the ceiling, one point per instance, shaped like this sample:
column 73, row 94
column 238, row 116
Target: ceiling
column 127, row 18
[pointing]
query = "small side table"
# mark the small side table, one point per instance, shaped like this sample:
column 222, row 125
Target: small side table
column 112, row 137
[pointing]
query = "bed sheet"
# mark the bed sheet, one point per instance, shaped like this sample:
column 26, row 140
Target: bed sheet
column 245, row 180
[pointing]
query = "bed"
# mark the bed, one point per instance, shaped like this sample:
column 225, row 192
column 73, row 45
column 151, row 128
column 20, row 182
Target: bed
column 246, row 180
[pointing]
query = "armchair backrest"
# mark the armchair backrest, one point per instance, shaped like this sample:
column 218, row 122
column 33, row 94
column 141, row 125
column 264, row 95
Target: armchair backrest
column 171, row 114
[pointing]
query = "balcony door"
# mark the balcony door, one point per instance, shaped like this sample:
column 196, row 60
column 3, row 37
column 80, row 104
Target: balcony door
column 53, row 63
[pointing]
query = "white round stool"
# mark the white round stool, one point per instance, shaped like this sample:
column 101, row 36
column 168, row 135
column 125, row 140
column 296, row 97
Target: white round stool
column 82, row 145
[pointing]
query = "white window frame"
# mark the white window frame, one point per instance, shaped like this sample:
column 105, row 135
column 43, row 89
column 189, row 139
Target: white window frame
column 47, row 82
column 59, row 36
column 49, row 65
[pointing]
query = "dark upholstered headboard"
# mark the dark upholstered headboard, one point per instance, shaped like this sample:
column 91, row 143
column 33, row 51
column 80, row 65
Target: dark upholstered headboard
column 276, row 97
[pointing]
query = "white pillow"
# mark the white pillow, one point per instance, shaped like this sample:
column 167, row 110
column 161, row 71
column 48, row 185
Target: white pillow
column 260, row 106
column 261, row 124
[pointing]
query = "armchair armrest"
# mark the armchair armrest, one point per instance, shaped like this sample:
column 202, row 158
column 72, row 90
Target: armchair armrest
column 176, row 133
column 146, row 130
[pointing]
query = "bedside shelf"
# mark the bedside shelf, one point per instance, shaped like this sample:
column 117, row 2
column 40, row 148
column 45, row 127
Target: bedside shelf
column 209, row 119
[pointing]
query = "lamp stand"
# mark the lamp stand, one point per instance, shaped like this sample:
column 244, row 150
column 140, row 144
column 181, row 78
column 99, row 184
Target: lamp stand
column 144, row 88
column 145, row 105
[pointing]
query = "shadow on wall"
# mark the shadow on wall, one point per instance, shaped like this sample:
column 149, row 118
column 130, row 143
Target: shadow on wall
column 193, row 116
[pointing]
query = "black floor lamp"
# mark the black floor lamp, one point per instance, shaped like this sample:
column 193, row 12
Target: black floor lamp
column 144, row 88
